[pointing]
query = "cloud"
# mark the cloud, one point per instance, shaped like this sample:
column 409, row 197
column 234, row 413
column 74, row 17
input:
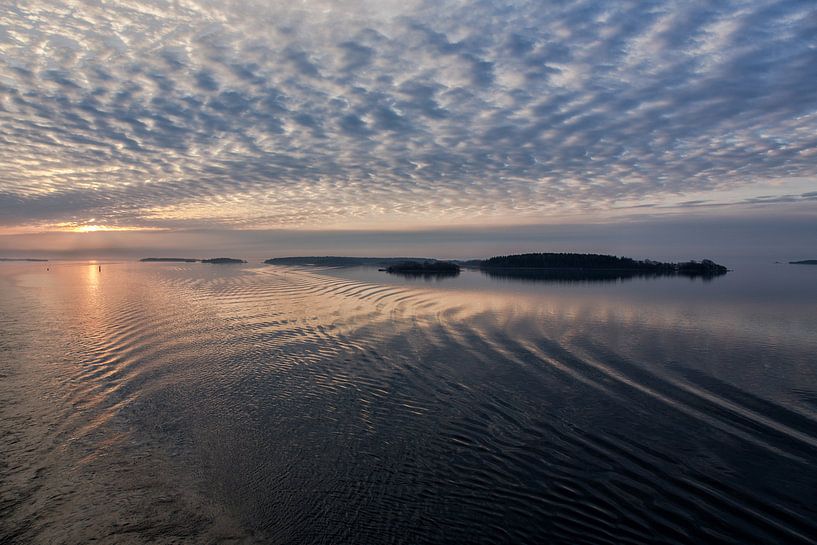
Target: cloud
column 355, row 113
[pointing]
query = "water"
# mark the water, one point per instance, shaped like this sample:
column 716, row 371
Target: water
column 192, row 403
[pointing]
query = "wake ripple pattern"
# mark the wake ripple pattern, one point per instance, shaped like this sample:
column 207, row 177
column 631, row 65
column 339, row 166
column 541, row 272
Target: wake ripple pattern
column 292, row 405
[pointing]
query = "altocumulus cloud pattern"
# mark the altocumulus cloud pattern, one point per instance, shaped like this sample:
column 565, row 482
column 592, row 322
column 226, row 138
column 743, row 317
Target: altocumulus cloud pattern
column 262, row 114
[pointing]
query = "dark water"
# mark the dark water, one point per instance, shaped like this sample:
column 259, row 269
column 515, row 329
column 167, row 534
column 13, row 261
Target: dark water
column 192, row 403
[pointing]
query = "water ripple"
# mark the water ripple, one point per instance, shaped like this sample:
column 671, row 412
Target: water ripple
column 274, row 404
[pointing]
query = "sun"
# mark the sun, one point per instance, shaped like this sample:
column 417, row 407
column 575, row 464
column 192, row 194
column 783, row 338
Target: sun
column 90, row 228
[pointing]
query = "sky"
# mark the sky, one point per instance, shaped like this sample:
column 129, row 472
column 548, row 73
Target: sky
column 392, row 127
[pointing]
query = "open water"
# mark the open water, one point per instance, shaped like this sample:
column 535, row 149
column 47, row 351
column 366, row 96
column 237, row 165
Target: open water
column 194, row 403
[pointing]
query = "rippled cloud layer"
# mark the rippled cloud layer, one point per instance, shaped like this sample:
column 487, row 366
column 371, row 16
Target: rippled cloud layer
column 252, row 114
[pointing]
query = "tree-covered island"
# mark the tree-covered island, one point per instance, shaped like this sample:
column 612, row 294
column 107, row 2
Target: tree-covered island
column 222, row 260
column 600, row 262
column 424, row 267
column 168, row 260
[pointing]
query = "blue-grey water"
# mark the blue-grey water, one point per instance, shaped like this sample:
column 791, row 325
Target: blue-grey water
column 193, row 403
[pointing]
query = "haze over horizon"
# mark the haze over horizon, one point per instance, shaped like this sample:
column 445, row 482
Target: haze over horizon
column 444, row 129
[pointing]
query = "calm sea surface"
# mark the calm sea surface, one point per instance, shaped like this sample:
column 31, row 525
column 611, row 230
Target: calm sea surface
column 193, row 403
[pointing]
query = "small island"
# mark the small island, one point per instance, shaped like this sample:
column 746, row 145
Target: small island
column 424, row 268
column 804, row 262
column 601, row 262
column 222, row 260
column 22, row 259
column 168, row 260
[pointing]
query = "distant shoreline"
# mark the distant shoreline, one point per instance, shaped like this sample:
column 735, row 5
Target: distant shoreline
column 223, row 260
column 168, row 260
column 528, row 263
column 343, row 261
column 424, row 268
column 600, row 262
column 216, row 260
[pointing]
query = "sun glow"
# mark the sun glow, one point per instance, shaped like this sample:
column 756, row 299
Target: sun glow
column 93, row 228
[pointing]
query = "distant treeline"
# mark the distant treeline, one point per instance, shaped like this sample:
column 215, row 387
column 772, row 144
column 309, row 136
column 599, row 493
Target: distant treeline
column 804, row 262
column 341, row 261
column 21, row 259
column 588, row 276
column 168, row 260
column 216, row 260
column 598, row 262
column 223, row 260
column 528, row 262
